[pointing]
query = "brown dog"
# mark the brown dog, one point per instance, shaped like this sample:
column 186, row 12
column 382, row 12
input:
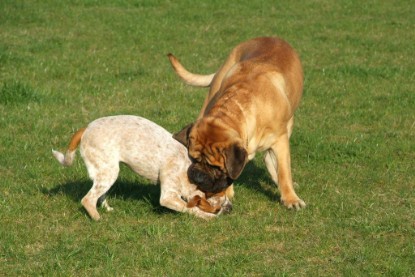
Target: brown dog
column 250, row 108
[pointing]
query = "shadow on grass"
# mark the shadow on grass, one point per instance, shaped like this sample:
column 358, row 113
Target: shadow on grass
column 254, row 177
column 121, row 189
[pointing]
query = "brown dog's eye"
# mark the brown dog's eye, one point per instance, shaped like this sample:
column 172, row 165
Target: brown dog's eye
column 215, row 167
column 195, row 157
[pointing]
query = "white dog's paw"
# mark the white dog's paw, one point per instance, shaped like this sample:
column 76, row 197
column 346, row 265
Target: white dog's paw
column 107, row 207
column 201, row 214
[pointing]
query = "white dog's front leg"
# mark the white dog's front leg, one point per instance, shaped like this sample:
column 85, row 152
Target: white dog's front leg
column 173, row 201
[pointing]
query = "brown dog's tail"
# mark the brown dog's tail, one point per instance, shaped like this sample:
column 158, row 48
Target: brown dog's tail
column 188, row 77
column 67, row 159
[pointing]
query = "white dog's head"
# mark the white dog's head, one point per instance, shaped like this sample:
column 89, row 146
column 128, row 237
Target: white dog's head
column 217, row 203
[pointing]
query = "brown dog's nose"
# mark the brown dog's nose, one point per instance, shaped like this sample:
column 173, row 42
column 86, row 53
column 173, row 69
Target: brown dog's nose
column 206, row 179
column 199, row 177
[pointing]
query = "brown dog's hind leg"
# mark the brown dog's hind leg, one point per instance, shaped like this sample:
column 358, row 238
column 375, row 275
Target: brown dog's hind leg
column 290, row 126
column 271, row 164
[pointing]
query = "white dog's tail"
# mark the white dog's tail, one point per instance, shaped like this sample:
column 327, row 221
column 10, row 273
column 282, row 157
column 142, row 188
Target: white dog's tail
column 188, row 77
column 67, row 159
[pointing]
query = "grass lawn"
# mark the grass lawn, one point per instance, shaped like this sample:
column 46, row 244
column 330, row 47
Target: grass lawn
column 66, row 63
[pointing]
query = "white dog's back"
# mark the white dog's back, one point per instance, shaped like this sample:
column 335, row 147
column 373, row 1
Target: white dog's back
column 109, row 140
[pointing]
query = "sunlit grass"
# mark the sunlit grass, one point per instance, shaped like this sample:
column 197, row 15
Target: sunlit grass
column 64, row 64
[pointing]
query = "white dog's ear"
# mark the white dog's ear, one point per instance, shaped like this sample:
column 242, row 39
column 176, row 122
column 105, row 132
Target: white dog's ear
column 235, row 160
column 183, row 135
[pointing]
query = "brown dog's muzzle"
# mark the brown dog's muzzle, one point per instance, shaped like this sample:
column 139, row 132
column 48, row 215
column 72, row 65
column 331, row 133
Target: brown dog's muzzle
column 207, row 178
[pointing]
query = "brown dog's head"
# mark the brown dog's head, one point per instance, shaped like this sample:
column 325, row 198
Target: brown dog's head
column 217, row 155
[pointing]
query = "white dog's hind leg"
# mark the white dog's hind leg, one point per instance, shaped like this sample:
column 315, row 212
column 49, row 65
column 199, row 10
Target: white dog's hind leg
column 91, row 198
column 90, row 204
column 103, row 180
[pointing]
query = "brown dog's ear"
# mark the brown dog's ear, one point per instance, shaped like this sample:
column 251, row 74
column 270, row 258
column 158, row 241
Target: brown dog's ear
column 235, row 160
column 183, row 135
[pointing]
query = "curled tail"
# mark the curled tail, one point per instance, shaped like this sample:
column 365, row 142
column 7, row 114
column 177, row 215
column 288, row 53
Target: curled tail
column 67, row 159
column 188, row 77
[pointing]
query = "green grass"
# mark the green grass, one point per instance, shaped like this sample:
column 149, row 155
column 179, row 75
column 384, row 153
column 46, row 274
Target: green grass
column 65, row 63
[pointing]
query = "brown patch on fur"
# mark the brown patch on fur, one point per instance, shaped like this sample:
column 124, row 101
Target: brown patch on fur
column 76, row 139
column 203, row 204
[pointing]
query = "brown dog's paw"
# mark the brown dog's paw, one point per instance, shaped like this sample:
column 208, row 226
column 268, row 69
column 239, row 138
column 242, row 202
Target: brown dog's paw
column 293, row 203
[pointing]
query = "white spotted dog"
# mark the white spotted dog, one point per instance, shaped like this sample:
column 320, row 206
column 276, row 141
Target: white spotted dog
column 150, row 151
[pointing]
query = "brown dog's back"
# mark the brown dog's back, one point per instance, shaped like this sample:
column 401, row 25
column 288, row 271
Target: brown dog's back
column 270, row 54
column 273, row 53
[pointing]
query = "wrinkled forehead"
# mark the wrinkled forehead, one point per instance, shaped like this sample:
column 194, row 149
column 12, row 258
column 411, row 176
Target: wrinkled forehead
column 205, row 134
column 195, row 146
column 203, row 148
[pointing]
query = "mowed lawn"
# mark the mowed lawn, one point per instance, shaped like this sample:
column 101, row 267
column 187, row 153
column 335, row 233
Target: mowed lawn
column 66, row 63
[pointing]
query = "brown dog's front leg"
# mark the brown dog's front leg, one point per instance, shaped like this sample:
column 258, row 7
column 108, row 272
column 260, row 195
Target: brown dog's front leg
column 282, row 151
